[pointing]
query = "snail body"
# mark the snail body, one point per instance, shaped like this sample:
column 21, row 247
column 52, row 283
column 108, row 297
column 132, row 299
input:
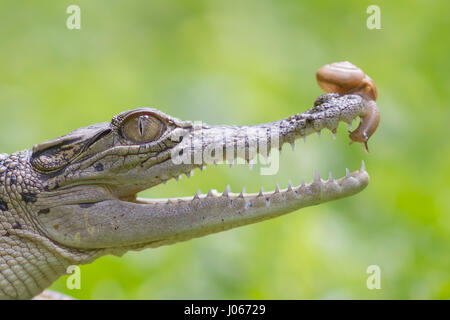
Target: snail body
column 346, row 78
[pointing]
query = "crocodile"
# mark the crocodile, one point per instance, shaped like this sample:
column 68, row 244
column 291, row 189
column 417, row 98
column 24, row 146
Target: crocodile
column 71, row 200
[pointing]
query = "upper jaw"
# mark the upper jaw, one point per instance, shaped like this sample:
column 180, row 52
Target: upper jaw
column 187, row 146
column 202, row 145
column 198, row 145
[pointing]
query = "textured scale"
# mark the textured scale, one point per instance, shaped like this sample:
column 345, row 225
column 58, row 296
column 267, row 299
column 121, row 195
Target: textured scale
column 29, row 261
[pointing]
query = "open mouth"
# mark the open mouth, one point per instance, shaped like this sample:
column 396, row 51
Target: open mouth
column 351, row 94
column 214, row 211
column 144, row 147
column 320, row 187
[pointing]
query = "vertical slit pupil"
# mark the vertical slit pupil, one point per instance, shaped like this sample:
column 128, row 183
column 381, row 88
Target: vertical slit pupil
column 141, row 128
column 141, row 125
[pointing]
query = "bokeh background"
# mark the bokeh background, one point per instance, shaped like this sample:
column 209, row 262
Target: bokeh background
column 247, row 62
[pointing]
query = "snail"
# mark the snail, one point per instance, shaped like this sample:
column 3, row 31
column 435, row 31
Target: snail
column 346, row 78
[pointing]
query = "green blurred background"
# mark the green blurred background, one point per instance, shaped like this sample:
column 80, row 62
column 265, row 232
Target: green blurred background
column 247, row 62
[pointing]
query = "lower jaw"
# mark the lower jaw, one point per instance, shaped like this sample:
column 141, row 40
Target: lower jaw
column 330, row 188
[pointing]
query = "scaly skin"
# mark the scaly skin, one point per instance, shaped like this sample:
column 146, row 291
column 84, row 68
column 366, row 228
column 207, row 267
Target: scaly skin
column 72, row 200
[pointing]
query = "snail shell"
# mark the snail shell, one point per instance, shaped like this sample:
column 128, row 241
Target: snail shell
column 346, row 78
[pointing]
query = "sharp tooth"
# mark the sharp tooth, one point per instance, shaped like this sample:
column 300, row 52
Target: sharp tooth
column 226, row 191
column 290, row 185
column 330, row 177
column 190, row 174
column 363, row 166
column 261, row 191
column 198, row 194
column 177, row 177
column 202, row 168
column 210, row 194
column 180, row 176
column 241, row 195
column 303, row 183
column 347, row 172
column 316, row 175
column 292, row 143
column 277, row 188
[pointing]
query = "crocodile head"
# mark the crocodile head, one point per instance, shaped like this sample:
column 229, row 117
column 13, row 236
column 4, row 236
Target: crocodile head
column 88, row 179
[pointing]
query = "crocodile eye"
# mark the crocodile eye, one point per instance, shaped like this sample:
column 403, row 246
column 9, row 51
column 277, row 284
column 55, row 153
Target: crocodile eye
column 142, row 128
